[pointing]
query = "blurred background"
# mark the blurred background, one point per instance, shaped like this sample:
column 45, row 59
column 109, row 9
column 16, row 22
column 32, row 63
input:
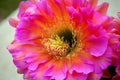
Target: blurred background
column 8, row 8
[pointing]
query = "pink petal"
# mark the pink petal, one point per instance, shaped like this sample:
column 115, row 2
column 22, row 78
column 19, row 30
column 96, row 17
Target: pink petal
column 20, row 63
column 93, row 3
column 28, row 30
column 78, row 3
column 96, row 46
column 22, row 34
column 103, row 61
column 26, row 75
column 39, row 73
column 80, row 66
column 33, row 66
column 13, row 22
column 102, row 9
column 44, row 8
column 68, row 2
column 74, row 15
column 117, row 25
column 58, row 71
column 34, row 61
column 54, row 7
column 34, row 1
column 22, row 7
column 76, row 76
column 98, row 19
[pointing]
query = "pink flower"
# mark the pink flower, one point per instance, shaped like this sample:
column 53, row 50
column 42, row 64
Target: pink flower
column 61, row 39
column 115, row 44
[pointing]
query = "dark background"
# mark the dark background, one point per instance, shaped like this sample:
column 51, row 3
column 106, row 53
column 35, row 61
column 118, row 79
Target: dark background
column 7, row 7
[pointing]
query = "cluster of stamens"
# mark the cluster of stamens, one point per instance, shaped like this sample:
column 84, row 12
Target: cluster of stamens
column 61, row 44
column 57, row 46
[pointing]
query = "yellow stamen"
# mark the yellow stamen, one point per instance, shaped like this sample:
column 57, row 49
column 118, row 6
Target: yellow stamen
column 56, row 46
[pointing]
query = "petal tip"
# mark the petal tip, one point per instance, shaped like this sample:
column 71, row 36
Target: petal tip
column 13, row 22
column 102, row 8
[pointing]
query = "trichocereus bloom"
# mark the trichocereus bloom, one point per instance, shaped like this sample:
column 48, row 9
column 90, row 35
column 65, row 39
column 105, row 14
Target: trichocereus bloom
column 115, row 44
column 61, row 39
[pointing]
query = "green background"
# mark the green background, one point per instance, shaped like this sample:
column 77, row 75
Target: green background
column 7, row 6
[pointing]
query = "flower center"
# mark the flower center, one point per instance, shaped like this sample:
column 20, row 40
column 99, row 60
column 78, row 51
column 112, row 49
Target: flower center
column 62, row 43
column 69, row 37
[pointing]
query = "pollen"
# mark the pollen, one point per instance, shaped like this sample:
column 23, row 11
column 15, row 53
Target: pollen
column 57, row 46
column 61, row 44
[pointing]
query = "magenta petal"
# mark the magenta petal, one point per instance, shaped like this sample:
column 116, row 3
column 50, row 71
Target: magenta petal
column 75, row 15
column 27, row 30
column 20, row 63
column 98, row 19
column 76, row 76
column 103, row 61
column 35, row 59
column 38, row 74
column 22, row 34
column 80, row 67
column 57, row 72
column 77, row 3
column 96, row 46
column 22, row 8
column 71, row 10
column 33, row 66
column 44, row 8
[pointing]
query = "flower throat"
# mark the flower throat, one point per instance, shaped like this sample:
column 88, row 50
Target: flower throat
column 62, row 43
